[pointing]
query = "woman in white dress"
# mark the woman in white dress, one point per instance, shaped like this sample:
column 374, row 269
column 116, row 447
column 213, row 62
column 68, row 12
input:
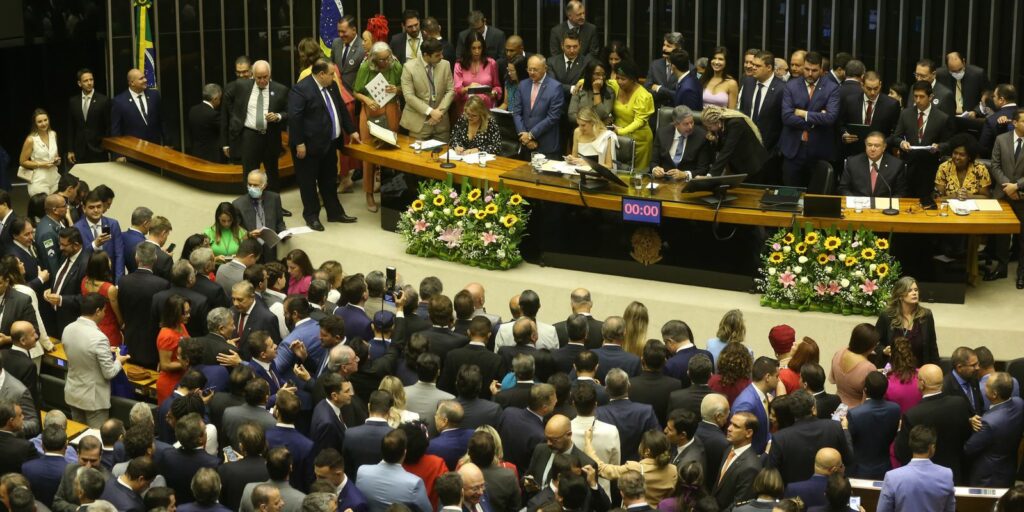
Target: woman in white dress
column 591, row 138
column 398, row 414
column 39, row 156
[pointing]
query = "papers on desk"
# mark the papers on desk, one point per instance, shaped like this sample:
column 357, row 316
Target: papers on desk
column 500, row 111
column 383, row 134
column 271, row 239
column 975, row 205
column 474, row 158
column 561, row 167
column 921, row 148
column 864, row 203
column 427, row 145
column 377, row 87
column 882, row 203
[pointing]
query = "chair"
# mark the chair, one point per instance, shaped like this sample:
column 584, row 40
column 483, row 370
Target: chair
column 625, row 154
column 664, row 117
column 822, row 179
column 1016, row 369
column 53, row 393
column 121, row 408
column 946, row 364
column 509, row 139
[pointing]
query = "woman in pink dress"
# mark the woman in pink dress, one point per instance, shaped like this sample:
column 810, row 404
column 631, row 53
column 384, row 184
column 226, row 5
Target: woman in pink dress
column 98, row 279
column 903, row 375
column 300, row 272
column 850, row 366
column 476, row 69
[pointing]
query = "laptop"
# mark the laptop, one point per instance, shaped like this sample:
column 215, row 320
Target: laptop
column 823, row 206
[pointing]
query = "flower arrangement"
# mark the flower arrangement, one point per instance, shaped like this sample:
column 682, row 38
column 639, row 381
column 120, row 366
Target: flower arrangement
column 475, row 226
column 847, row 272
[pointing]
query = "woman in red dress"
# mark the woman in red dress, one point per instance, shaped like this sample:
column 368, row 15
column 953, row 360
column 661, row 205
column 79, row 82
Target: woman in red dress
column 173, row 318
column 99, row 279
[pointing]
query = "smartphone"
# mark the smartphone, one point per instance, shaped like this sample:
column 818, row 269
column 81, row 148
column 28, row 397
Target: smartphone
column 105, row 230
column 854, row 502
column 170, row 248
column 230, row 454
column 840, row 412
column 390, row 279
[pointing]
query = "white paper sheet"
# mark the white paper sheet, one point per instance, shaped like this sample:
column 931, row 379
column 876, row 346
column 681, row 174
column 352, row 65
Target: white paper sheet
column 377, row 87
column 383, row 134
column 427, row 145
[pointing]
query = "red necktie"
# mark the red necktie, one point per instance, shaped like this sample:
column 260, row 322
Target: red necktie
column 870, row 112
column 241, row 324
column 874, row 176
column 810, row 96
column 920, row 126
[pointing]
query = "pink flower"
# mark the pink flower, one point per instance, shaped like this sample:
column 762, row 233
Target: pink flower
column 488, row 198
column 488, row 238
column 451, row 236
column 821, row 289
column 869, row 286
column 831, row 257
column 437, row 191
column 833, row 288
column 787, row 279
column 776, row 247
column 453, row 194
column 420, row 226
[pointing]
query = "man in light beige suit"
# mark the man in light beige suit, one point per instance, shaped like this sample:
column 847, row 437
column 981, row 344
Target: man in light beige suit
column 90, row 364
column 426, row 107
column 1008, row 178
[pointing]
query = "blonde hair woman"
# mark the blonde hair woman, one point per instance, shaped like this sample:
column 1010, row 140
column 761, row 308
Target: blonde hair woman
column 636, row 328
column 730, row 328
column 39, row 156
column 474, row 132
column 499, row 453
column 591, row 138
column 905, row 316
column 397, row 415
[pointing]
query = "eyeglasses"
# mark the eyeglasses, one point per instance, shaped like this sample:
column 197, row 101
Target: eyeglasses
column 477, row 488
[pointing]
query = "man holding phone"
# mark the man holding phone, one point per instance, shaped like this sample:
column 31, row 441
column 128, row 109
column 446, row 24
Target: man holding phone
column 102, row 233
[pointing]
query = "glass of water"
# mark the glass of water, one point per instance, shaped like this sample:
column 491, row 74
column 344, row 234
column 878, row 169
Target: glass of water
column 482, row 162
column 417, row 147
column 637, row 180
column 944, row 209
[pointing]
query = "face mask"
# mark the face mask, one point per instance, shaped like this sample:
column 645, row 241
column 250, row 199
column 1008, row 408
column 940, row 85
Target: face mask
column 959, row 75
column 255, row 192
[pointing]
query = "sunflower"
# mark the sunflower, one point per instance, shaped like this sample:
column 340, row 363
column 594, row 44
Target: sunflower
column 882, row 270
column 438, row 200
column 509, row 220
column 516, row 199
column 882, row 244
column 811, row 238
column 776, row 257
column 822, row 259
column 833, row 242
column 801, row 248
column 460, row 211
column 788, row 239
column 474, row 195
column 417, row 205
column 491, row 208
column 868, row 253
column 480, row 215
column 851, row 261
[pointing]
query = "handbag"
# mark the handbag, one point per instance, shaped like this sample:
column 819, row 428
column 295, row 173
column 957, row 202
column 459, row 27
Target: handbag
column 25, row 174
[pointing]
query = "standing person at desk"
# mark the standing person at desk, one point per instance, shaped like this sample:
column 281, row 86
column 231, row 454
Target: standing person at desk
column 429, row 90
column 379, row 61
column 476, row 68
column 905, row 316
column 592, row 139
column 874, row 173
column 633, row 106
column 475, row 131
column 537, row 113
column 921, row 125
column 680, row 145
column 1008, row 174
column 737, row 141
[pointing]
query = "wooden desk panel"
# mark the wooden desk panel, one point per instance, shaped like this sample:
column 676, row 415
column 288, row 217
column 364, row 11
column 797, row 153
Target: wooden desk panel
column 74, row 428
column 518, row 176
column 187, row 166
column 145, row 388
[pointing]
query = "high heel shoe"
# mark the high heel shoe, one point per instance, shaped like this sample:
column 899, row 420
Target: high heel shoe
column 371, row 204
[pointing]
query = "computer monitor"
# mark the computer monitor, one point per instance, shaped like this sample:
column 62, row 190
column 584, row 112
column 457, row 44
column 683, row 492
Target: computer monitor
column 717, row 185
column 603, row 171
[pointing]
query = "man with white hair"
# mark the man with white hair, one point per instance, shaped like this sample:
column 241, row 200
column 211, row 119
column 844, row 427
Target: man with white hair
column 254, row 113
column 260, row 208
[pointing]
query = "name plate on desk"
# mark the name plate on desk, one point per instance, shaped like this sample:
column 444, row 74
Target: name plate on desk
column 641, row 210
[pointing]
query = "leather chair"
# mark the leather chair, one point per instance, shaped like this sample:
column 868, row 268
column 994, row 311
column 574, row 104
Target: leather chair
column 822, row 179
column 53, row 393
column 121, row 408
column 509, row 139
column 625, row 154
column 664, row 116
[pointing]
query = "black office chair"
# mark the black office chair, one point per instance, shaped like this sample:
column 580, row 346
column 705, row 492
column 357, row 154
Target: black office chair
column 509, row 146
column 53, row 393
column 625, row 154
column 664, row 117
column 822, row 179
column 946, row 364
column 1016, row 369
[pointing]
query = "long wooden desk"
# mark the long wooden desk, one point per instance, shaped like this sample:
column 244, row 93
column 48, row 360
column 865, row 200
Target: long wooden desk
column 145, row 388
column 968, row 499
column 518, row 176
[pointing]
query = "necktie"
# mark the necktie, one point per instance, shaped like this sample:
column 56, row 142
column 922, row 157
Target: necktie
column 668, row 71
column 680, row 147
column 920, row 126
column 95, row 231
column 261, row 219
column 1016, row 152
column 810, row 96
column 430, row 80
column 568, row 67
column 241, row 324
column 32, row 248
column 756, row 107
column 261, row 121
column 344, row 54
column 728, row 460
column 874, row 176
column 959, row 97
column 547, row 469
column 533, row 93
column 85, row 107
column 273, row 376
column 330, row 111
column 869, row 112
column 61, row 275
column 415, row 43
column 142, row 105
column 969, row 393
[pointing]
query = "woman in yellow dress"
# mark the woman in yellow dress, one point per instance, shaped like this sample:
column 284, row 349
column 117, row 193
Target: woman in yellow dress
column 633, row 106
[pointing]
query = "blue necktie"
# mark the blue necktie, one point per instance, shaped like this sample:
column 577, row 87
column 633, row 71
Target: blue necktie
column 969, row 393
column 755, row 110
column 334, row 117
column 678, row 157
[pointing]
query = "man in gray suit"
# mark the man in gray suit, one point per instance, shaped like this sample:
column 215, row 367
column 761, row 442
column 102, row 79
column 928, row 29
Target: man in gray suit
column 422, row 397
column 232, row 272
column 279, row 468
column 12, row 390
column 1008, row 176
column 347, row 50
column 90, row 365
column 260, row 208
column 254, row 410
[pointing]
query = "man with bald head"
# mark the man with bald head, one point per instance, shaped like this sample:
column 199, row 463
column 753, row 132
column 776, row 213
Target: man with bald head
column 254, row 111
column 611, row 355
column 714, row 413
column 558, row 434
column 948, row 414
column 451, row 441
column 581, row 303
column 47, row 240
column 536, row 117
column 136, row 111
column 826, row 462
column 796, row 64
column 993, row 448
column 474, row 493
column 476, row 290
column 514, row 50
column 17, row 362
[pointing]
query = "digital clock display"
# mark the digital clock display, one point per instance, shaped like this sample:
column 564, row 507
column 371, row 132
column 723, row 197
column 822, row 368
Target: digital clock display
column 641, row 210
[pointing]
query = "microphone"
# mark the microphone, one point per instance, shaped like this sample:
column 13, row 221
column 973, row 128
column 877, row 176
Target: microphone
column 448, row 158
column 890, row 210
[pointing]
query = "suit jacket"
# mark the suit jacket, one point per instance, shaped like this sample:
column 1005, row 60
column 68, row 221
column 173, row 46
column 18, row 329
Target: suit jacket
column 45, row 473
column 234, row 476
column 17, row 307
column 235, row 104
column 542, row 454
column 822, row 115
column 541, row 119
column 632, row 419
column 1004, row 168
column 715, row 449
column 992, row 128
column 951, row 387
column 688, row 398
column 405, row 327
column 594, row 338
column 384, row 484
column 309, row 121
column 736, row 484
column 602, row 394
column 351, row 497
column 301, row 448
column 738, row 150
column 920, row 485
column 136, row 292
column 696, row 154
column 856, row 180
column 872, row 427
column 86, row 134
column 48, row 246
column 422, row 398
column 197, row 322
column 292, row 497
column 416, row 91
column 19, row 365
column 516, row 396
column 239, row 415
column 769, row 117
column 678, row 365
column 362, row 445
column 114, row 247
column 590, row 43
column 972, row 85
column 90, row 366
column 349, row 66
column 993, row 449
column 450, row 445
column 612, row 356
column 204, row 128
column 654, row 388
column 942, row 97
column 521, row 430
column 399, row 43
column 259, row 319
column 215, row 296
column 494, row 42
column 937, row 129
column 794, row 447
column 950, row 416
column 556, row 66
column 826, row 404
column 130, row 239
column 502, row 488
column 70, row 292
column 748, row 400
column 443, row 340
column 689, row 92
column 488, row 362
column 16, row 450
column 565, row 357
column 479, row 411
column 884, row 115
column 658, row 74
column 693, row 453
column 273, row 217
column 122, row 497
column 811, row 491
column 326, row 429
column 178, row 466
column 164, row 263
column 127, row 119
column 543, row 363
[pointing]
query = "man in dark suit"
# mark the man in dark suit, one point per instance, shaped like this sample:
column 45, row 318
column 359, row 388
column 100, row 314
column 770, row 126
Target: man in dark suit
column 837, row 73
column 680, row 429
column 494, row 37
column 17, row 307
column 678, row 340
column 689, row 91
column 714, row 412
column 476, row 411
column 761, row 100
column 442, row 316
column 949, row 415
column 101, row 233
column 921, row 124
column 251, row 315
column 22, row 246
column 136, row 111
column 406, row 44
column 812, row 375
column 576, row 21
column 432, row 30
column 874, row 173
column 581, row 303
column 697, row 374
column 537, row 116
column 134, row 235
column 316, row 117
column 741, row 464
column 963, row 380
column 157, row 234
column 284, row 434
column 125, row 492
column 872, row 426
column 260, row 208
column 362, row 443
column 652, row 386
column 631, row 418
column 452, row 438
column 871, row 108
column 827, row 462
column 754, row 398
column 255, row 112
column 810, row 109
column 584, row 369
column 523, row 429
column 794, row 447
column 942, row 96
column 576, row 327
column 967, row 81
column 204, row 126
column 519, row 394
column 46, row 472
column 567, row 67
column 182, row 278
column 16, row 450
column 204, row 263
column 851, row 86
column 17, row 362
column 136, row 292
column 179, row 465
column 347, row 50
column 524, row 332
column 251, row 443
column 474, row 353
column 558, row 434
column 261, row 350
column 739, row 149
column 662, row 79
column 65, row 293
column 993, row 448
column 680, row 148
column 1001, row 121
column 1007, row 182
column 327, row 430
column 88, row 122
column 611, row 355
column 512, row 51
